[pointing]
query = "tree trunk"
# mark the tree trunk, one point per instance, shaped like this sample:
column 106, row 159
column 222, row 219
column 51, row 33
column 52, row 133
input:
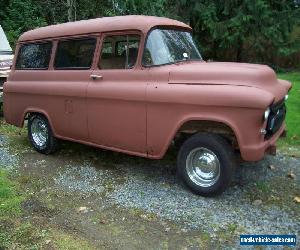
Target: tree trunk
column 70, row 10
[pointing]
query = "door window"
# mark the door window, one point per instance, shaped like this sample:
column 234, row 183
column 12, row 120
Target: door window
column 119, row 52
column 75, row 54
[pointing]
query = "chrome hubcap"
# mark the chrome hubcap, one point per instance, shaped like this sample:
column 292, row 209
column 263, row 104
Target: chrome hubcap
column 203, row 167
column 39, row 132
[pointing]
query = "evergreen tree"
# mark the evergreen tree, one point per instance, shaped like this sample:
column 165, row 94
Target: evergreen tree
column 242, row 28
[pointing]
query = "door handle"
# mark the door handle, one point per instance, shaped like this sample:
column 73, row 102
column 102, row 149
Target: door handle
column 96, row 77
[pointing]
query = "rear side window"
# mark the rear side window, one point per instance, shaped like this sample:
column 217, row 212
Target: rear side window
column 75, row 54
column 34, row 56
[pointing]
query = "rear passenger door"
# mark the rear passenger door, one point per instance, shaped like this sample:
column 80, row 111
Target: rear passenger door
column 72, row 69
column 116, row 95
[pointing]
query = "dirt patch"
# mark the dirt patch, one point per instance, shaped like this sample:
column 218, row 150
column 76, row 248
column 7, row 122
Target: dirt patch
column 33, row 206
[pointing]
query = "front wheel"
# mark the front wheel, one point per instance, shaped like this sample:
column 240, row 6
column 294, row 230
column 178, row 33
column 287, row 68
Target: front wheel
column 206, row 164
column 40, row 134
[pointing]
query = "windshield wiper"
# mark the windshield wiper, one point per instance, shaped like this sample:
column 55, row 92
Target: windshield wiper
column 188, row 60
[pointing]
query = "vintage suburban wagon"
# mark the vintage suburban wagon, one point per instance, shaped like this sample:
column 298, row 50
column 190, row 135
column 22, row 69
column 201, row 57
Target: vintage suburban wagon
column 136, row 84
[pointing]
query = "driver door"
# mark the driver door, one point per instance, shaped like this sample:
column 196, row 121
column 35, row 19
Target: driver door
column 116, row 96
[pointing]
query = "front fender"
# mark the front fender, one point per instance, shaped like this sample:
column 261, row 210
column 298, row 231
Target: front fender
column 169, row 106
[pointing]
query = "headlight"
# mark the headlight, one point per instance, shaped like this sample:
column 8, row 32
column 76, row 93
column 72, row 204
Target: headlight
column 286, row 97
column 267, row 113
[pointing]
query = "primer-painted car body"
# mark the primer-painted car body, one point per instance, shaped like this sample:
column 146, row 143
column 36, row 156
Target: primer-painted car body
column 141, row 110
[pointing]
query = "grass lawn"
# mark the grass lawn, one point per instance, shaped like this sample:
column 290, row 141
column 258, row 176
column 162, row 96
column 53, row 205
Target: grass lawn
column 9, row 197
column 293, row 107
column 11, row 230
column 14, row 232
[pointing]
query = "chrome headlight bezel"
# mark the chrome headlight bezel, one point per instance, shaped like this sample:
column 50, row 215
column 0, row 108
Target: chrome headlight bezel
column 286, row 97
column 267, row 113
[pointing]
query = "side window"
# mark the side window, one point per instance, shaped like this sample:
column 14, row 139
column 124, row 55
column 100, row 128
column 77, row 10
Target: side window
column 75, row 54
column 119, row 52
column 107, row 48
column 34, row 56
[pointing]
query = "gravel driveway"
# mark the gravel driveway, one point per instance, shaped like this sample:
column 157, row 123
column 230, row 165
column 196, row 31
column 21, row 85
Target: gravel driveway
column 260, row 201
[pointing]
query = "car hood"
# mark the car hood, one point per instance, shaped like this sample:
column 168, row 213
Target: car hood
column 237, row 74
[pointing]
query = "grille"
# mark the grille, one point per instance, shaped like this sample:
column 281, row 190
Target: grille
column 276, row 118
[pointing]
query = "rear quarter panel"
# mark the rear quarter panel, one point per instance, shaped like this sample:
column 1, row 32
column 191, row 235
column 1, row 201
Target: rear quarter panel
column 59, row 95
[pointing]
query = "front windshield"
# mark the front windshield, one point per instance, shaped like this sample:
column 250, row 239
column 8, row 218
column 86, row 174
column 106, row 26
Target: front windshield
column 169, row 46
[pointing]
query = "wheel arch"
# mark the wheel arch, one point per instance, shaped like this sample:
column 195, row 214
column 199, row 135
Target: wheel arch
column 187, row 123
column 30, row 111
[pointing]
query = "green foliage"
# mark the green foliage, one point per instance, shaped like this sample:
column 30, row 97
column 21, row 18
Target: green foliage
column 263, row 31
column 256, row 30
column 142, row 7
column 19, row 16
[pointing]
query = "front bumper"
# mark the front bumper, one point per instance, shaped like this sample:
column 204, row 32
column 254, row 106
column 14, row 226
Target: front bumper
column 275, row 128
column 257, row 152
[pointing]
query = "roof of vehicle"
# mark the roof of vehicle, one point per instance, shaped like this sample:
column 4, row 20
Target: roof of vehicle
column 104, row 24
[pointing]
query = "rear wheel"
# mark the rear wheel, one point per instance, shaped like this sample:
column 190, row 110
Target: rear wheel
column 206, row 164
column 40, row 134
